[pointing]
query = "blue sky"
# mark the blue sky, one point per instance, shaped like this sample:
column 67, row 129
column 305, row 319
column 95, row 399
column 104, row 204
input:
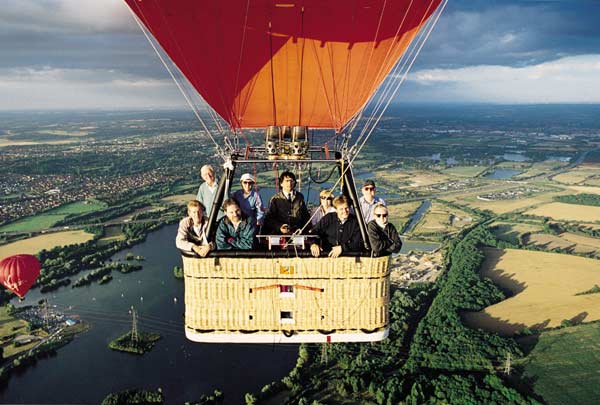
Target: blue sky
column 63, row 54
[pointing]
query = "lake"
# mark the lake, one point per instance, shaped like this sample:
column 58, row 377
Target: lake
column 86, row 370
column 502, row 174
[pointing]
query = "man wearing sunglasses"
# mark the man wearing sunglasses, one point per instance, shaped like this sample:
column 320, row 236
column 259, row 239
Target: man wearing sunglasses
column 368, row 201
column 382, row 234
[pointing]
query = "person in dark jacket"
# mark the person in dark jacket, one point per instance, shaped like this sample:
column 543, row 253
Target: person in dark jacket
column 287, row 211
column 382, row 234
column 339, row 231
column 234, row 232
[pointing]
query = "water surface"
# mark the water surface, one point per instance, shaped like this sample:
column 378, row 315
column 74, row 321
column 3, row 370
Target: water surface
column 85, row 370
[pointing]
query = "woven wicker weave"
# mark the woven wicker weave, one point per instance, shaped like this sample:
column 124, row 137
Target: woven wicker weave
column 291, row 295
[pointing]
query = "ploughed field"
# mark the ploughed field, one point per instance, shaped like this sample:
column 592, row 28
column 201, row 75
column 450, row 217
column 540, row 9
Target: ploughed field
column 544, row 287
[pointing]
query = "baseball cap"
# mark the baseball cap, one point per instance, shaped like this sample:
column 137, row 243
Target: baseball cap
column 247, row 177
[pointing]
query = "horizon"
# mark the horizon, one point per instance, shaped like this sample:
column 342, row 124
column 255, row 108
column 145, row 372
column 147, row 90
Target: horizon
column 59, row 55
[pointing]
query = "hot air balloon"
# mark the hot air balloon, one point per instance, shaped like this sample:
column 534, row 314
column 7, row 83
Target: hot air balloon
column 18, row 273
column 294, row 69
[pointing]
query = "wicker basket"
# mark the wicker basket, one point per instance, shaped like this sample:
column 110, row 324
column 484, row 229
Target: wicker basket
column 286, row 299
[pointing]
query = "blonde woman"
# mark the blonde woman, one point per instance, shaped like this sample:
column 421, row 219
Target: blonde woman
column 324, row 208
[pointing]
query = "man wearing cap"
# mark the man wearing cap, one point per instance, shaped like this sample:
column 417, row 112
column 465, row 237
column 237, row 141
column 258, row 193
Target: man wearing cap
column 368, row 201
column 208, row 190
column 249, row 200
column 382, row 234
column 287, row 211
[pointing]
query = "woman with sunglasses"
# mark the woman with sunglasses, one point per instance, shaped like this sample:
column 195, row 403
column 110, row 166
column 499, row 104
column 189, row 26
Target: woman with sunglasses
column 249, row 200
column 382, row 234
column 324, row 208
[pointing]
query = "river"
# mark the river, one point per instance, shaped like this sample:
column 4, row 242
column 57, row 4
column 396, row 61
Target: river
column 86, row 370
column 417, row 215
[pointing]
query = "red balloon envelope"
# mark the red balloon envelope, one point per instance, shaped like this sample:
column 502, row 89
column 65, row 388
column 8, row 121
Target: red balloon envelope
column 18, row 273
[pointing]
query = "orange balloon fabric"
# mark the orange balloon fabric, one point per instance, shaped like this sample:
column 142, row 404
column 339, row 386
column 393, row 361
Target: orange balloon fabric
column 18, row 273
column 257, row 63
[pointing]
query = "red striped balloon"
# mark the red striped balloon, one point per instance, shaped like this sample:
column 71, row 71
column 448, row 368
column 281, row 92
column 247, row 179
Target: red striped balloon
column 18, row 273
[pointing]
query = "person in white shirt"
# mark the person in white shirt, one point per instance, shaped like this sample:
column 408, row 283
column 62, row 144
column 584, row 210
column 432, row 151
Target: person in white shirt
column 208, row 189
column 368, row 201
column 191, row 235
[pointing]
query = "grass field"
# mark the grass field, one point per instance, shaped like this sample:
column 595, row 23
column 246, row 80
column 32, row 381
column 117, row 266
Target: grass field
column 187, row 188
column 464, row 171
column 412, row 178
column 511, row 232
column 401, row 213
column 10, row 142
column 564, row 365
column 584, row 241
column 441, row 218
column 129, row 216
column 179, row 198
column 47, row 241
column 554, row 242
column 111, row 234
column 504, row 206
column 544, row 287
column 49, row 218
column 540, row 168
column 12, row 326
column 567, row 212
column 585, row 190
column 62, row 133
column 577, row 175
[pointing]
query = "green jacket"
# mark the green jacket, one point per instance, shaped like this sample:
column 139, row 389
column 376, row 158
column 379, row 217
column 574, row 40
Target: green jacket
column 228, row 238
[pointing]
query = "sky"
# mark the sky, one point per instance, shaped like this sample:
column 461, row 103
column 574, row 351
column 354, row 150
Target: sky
column 90, row 54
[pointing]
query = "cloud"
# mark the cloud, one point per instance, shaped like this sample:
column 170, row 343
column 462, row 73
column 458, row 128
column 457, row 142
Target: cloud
column 514, row 33
column 574, row 79
column 69, row 16
column 57, row 88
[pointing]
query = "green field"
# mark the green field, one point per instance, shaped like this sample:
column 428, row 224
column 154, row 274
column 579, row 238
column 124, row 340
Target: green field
column 12, row 327
column 186, row 188
column 464, row 171
column 49, row 218
column 565, row 365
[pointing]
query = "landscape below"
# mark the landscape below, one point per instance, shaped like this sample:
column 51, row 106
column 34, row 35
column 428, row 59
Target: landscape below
column 502, row 306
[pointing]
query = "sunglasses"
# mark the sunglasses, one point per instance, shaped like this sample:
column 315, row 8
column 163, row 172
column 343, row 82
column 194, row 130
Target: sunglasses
column 369, row 188
column 248, row 182
column 327, row 198
column 381, row 215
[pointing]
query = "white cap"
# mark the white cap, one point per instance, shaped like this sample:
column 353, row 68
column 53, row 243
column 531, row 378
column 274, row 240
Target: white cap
column 247, row 177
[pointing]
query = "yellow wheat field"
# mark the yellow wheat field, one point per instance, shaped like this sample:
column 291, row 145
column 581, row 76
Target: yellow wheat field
column 567, row 212
column 586, row 241
column 33, row 245
column 585, row 189
column 544, row 285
